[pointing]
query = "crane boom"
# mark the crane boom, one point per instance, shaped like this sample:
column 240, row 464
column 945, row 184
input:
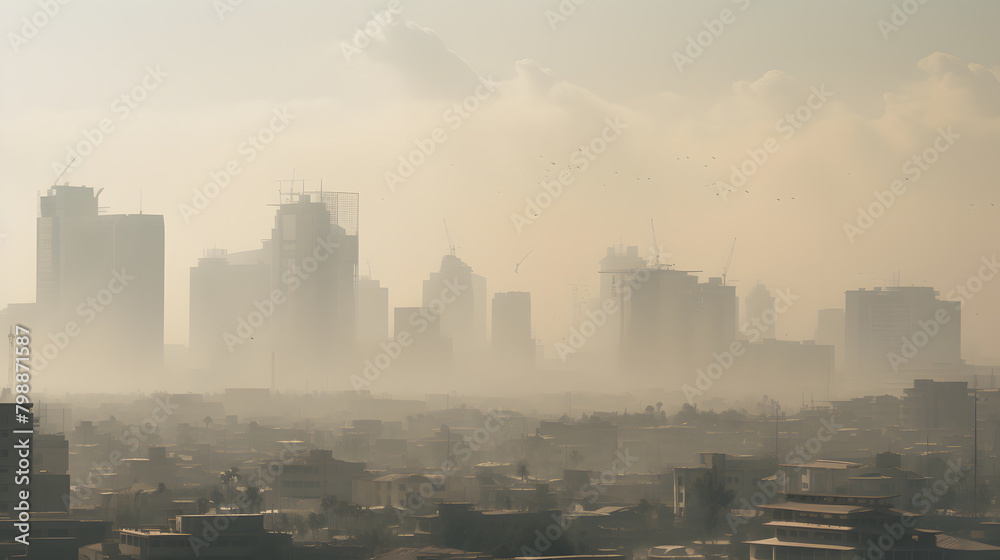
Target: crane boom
column 729, row 261
column 451, row 244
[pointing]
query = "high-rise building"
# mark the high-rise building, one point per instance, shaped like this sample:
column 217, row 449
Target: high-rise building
column 900, row 332
column 230, row 303
column 373, row 312
column 830, row 328
column 459, row 296
column 675, row 322
column 430, row 352
column 760, row 307
column 512, row 344
column 314, row 246
column 104, row 273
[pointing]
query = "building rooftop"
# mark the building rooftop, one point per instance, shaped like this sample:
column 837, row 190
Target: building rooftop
column 816, row 508
column 794, row 544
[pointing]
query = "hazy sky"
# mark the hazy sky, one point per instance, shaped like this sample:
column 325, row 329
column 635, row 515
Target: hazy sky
column 213, row 80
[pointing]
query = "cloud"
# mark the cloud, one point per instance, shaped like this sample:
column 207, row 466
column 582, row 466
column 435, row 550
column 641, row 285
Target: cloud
column 421, row 61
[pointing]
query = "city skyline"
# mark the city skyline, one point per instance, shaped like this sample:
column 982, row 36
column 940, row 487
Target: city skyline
column 729, row 101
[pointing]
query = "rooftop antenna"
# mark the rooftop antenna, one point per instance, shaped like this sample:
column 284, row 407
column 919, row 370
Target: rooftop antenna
column 451, row 244
column 729, row 261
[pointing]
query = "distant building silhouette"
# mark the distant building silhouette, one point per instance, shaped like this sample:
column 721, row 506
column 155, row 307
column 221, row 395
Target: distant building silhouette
column 314, row 246
column 676, row 323
column 512, row 344
column 899, row 332
column 228, row 301
column 830, row 329
column 105, row 273
column 373, row 312
column 760, row 310
column 459, row 296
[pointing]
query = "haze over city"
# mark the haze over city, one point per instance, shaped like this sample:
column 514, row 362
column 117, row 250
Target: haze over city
column 344, row 223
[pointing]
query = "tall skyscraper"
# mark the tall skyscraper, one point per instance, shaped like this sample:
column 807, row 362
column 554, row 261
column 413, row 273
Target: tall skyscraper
column 830, row 329
column 229, row 303
column 314, row 245
column 901, row 332
column 373, row 312
column 512, row 344
column 676, row 322
column 104, row 273
column 760, row 306
column 459, row 296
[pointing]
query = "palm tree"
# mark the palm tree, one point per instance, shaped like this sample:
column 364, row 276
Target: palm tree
column 329, row 507
column 229, row 478
column 522, row 471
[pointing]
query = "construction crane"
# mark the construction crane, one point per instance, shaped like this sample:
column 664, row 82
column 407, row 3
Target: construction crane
column 451, row 244
column 65, row 169
column 656, row 246
column 729, row 261
column 516, row 266
column 657, row 265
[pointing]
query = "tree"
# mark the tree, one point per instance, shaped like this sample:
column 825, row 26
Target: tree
column 316, row 522
column 522, row 471
column 202, row 506
column 254, row 499
column 230, row 477
column 712, row 492
column 208, row 421
column 329, row 506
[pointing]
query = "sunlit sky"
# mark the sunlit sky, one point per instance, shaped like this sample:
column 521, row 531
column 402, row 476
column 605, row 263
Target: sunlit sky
column 555, row 81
